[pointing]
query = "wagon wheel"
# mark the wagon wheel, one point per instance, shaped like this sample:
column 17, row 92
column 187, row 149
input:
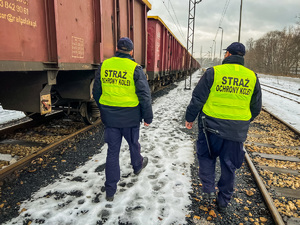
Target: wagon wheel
column 90, row 112
column 152, row 86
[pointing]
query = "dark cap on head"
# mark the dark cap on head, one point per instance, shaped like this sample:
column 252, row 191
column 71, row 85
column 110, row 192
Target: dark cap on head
column 236, row 48
column 125, row 44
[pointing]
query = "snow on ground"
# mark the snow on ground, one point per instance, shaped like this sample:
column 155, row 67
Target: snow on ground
column 159, row 195
column 285, row 109
column 9, row 115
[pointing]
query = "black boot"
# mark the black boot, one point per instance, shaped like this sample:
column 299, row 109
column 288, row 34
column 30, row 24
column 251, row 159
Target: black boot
column 144, row 164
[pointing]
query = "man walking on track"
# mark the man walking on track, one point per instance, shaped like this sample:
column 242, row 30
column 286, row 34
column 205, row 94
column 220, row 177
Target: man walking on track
column 226, row 99
column 123, row 96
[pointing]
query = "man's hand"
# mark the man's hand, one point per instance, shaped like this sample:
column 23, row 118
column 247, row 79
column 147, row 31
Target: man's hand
column 146, row 124
column 188, row 125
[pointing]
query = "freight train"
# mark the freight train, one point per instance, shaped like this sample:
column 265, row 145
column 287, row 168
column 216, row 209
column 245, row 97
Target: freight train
column 49, row 51
column 167, row 59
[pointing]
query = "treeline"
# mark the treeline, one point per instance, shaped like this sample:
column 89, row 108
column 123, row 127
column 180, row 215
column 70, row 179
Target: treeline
column 276, row 53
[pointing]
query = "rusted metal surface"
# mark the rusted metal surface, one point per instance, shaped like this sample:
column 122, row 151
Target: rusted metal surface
column 47, row 40
column 23, row 31
column 165, row 54
column 74, row 31
column 51, row 31
column 146, row 3
column 139, row 33
column 275, row 214
column 278, row 154
column 123, row 16
column 27, row 160
column 126, row 19
column 159, row 48
column 66, row 31
column 108, row 28
column 154, row 49
column 27, row 123
column 285, row 123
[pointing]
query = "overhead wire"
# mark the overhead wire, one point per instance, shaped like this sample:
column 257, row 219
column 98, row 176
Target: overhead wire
column 176, row 19
column 177, row 24
column 179, row 28
column 221, row 19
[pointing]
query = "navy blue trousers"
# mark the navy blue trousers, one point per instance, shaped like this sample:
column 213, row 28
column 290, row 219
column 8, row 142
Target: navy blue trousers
column 231, row 155
column 113, row 138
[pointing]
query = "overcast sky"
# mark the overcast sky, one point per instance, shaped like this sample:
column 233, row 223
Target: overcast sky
column 258, row 18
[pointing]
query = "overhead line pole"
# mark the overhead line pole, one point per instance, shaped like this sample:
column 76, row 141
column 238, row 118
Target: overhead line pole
column 221, row 43
column 240, row 21
column 190, row 38
column 215, row 49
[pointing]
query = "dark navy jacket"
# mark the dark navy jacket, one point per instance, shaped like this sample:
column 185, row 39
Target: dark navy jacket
column 234, row 130
column 121, row 117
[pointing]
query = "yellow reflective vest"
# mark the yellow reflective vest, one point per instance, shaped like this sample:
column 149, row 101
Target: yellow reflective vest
column 118, row 87
column 231, row 93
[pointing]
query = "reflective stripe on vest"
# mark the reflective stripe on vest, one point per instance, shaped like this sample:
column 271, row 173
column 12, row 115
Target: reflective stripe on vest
column 118, row 87
column 231, row 93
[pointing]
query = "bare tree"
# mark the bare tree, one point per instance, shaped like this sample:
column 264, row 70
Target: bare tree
column 277, row 52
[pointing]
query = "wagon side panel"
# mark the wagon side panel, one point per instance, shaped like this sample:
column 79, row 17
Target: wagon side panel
column 23, row 34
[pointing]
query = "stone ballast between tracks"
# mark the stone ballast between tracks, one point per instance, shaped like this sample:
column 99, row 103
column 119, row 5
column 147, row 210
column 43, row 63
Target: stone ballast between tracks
column 243, row 208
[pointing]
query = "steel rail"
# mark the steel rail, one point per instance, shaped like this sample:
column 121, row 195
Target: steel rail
column 28, row 123
column 26, row 160
column 282, row 121
column 269, row 201
column 9, row 129
column 281, row 95
column 281, row 90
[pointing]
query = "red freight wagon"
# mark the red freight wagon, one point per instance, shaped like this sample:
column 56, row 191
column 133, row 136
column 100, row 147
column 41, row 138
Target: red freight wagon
column 50, row 49
column 166, row 56
column 195, row 63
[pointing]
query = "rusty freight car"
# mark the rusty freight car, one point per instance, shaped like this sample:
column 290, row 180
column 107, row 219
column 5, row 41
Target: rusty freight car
column 49, row 50
column 167, row 58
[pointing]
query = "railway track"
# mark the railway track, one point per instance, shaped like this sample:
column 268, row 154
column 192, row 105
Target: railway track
column 292, row 93
column 267, row 186
column 282, row 93
column 23, row 143
column 277, row 176
column 274, row 159
column 25, row 140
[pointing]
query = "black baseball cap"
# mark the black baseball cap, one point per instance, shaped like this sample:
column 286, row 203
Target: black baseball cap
column 236, row 48
column 125, row 44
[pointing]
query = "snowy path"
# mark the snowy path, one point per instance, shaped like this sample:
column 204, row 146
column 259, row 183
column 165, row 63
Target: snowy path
column 159, row 195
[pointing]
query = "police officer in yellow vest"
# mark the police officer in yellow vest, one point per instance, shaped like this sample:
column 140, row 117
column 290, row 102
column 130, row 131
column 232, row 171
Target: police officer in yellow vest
column 226, row 99
column 123, row 96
